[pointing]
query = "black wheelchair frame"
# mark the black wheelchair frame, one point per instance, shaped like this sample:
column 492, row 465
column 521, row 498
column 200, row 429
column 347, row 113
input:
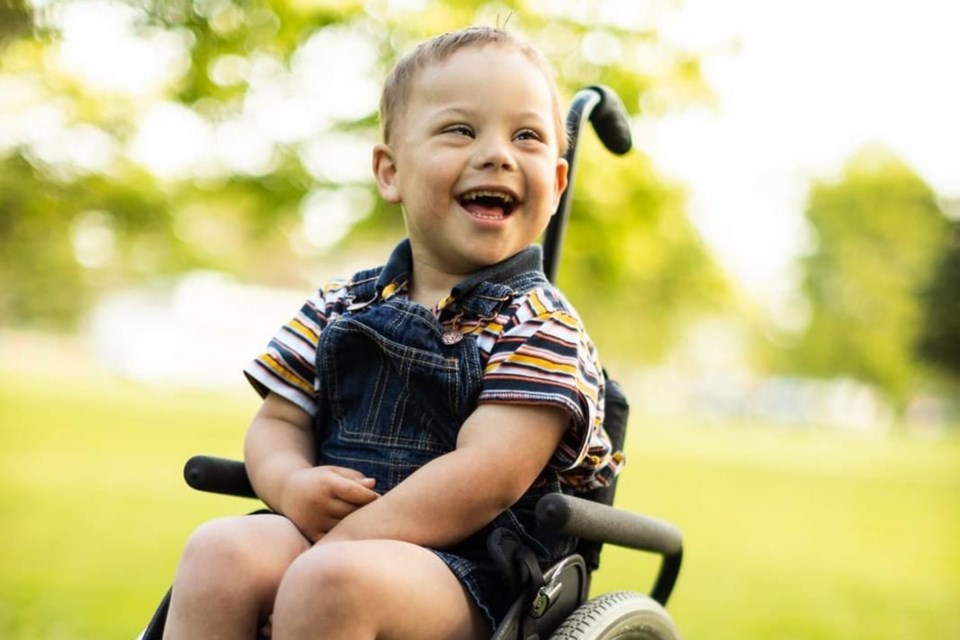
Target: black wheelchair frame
column 552, row 603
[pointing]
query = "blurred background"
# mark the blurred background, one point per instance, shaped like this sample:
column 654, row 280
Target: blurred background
column 773, row 274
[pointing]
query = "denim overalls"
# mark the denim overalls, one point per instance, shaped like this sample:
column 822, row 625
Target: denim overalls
column 396, row 383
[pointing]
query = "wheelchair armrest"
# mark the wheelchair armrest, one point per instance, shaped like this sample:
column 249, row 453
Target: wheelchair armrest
column 602, row 523
column 218, row 475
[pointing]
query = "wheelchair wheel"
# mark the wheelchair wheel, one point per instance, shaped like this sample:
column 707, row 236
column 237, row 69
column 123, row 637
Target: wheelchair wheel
column 620, row 615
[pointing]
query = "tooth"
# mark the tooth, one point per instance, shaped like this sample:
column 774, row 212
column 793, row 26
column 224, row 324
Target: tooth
column 473, row 195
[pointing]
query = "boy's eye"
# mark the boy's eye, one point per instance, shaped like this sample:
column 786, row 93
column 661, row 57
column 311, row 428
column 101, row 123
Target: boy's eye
column 459, row 129
column 528, row 134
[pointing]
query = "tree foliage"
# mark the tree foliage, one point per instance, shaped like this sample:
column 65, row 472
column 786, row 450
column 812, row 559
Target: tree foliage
column 939, row 341
column 879, row 232
column 276, row 101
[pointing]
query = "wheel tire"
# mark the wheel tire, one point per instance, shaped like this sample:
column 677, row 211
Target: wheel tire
column 620, row 615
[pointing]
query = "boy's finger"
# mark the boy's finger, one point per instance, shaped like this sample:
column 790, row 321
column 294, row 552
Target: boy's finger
column 346, row 472
column 356, row 493
column 339, row 509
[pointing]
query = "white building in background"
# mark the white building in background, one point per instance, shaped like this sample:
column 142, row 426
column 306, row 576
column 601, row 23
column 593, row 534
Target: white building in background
column 199, row 332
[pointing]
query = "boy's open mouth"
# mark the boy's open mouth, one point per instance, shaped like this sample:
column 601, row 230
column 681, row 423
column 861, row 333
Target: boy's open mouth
column 488, row 204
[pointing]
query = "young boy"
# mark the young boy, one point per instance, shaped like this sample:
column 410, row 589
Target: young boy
column 415, row 407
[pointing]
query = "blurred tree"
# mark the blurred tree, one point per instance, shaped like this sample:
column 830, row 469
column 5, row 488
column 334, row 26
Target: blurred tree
column 939, row 341
column 879, row 231
column 15, row 19
column 225, row 133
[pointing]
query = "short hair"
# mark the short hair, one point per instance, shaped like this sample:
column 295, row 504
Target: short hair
column 397, row 87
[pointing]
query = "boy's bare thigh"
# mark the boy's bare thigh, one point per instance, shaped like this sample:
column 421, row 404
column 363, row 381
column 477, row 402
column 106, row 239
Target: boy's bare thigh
column 405, row 591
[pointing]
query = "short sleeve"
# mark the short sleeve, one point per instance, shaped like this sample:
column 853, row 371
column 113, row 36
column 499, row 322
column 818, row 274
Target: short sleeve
column 287, row 367
column 544, row 357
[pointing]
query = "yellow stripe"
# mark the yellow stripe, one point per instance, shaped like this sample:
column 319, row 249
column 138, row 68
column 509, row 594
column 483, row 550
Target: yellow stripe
column 494, row 328
column 278, row 368
column 565, row 319
column 538, row 307
column 298, row 326
column 586, row 389
column 444, row 303
column 539, row 363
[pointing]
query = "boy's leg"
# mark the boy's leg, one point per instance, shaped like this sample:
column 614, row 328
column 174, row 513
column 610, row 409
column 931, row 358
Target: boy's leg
column 228, row 576
column 370, row 589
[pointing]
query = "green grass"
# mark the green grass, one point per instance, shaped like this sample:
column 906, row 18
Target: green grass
column 800, row 533
column 788, row 533
column 93, row 506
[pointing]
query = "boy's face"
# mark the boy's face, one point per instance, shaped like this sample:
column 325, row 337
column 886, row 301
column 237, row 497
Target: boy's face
column 474, row 159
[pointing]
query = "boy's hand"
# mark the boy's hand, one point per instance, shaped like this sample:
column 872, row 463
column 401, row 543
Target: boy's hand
column 278, row 452
column 315, row 499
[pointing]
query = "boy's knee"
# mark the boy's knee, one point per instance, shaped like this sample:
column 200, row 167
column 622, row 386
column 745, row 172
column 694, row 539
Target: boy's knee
column 241, row 551
column 324, row 588
column 330, row 567
column 236, row 564
column 329, row 576
column 217, row 542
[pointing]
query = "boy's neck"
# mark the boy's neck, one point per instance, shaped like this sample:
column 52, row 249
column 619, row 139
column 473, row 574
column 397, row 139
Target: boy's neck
column 429, row 286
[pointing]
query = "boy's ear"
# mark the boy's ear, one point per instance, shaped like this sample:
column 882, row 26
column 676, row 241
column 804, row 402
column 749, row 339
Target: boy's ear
column 385, row 172
column 561, row 183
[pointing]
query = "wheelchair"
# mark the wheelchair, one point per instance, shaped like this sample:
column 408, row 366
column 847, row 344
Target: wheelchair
column 552, row 603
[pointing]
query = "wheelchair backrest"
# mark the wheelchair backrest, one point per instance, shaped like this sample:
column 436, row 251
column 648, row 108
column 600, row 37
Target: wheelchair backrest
column 617, row 411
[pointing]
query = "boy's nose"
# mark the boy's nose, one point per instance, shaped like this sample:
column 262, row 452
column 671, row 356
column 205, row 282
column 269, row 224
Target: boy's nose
column 495, row 156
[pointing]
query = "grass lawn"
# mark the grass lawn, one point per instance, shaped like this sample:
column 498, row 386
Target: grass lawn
column 789, row 533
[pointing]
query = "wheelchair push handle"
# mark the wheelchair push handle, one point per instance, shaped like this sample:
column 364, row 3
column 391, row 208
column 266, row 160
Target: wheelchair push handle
column 610, row 120
column 605, row 111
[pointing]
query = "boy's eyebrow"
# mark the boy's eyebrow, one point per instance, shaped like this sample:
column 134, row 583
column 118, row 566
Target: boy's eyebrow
column 453, row 111
column 467, row 111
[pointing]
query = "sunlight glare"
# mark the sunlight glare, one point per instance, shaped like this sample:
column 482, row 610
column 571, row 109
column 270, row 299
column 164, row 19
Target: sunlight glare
column 600, row 47
column 173, row 142
column 99, row 46
column 335, row 73
column 338, row 158
column 242, row 148
column 93, row 238
column 329, row 214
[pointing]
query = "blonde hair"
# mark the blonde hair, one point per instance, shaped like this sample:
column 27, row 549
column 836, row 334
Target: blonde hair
column 399, row 83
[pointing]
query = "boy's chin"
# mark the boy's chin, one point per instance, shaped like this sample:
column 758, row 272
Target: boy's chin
column 482, row 260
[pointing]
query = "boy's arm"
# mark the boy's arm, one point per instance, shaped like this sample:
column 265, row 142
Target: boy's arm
column 280, row 459
column 501, row 449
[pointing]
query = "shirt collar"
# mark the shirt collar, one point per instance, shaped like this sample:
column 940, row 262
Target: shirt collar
column 396, row 272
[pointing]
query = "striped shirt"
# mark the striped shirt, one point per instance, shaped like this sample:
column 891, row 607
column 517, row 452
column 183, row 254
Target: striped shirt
column 533, row 351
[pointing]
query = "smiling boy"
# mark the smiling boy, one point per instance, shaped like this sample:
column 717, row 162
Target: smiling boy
column 413, row 408
column 475, row 159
